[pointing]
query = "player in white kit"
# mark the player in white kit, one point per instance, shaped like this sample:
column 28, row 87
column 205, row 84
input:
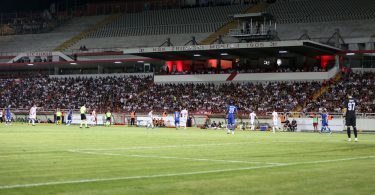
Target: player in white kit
column 275, row 119
column 94, row 118
column 32, row 115
column 253, row 116
column 183, row 120
column 1, row 116
column 150, row 122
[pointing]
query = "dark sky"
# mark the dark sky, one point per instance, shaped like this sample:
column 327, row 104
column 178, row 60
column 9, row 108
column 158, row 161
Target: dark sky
column 33, row 5
column 7, row 6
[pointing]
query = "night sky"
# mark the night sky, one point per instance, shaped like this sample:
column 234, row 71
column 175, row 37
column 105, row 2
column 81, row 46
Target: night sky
column 11, row 6
column 7, row 6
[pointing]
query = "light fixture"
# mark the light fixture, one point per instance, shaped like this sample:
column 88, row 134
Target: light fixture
column 73, row 63
column 350, row 54
column 283, row 51
column 117, row 62
column 224, row 54
column 197, row 55
column 279, row 62
column 140, row 61
column 30, row 64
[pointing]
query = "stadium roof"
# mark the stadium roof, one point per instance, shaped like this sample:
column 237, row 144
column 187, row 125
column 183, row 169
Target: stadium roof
column 234, row 50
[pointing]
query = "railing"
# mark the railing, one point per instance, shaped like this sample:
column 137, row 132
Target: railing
column 250, row 32
column 97, row 50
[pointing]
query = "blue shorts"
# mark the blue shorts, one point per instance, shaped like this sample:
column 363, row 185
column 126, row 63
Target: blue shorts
column 8, row 118
column 231, row 120
column 176, row 121
column 324, row 124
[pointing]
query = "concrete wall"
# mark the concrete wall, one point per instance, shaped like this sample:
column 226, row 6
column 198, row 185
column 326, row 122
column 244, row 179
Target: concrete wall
column 247, row 77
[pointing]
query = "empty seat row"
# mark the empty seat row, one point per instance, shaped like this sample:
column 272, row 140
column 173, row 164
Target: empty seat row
column 306, row 11
column 174, row 21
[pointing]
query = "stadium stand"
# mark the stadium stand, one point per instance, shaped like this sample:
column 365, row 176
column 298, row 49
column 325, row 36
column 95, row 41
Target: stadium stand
column 213, row 98
column 51, row 93
column 195, row 20
column 223, row 31
column 86, row 32
column 307, row 11
column 47, row 41
column 361, row 84
column 303, row 18
column 321, row 20
column 29, row 23
column 137, row 41
column 131, row 92
column 153, row 27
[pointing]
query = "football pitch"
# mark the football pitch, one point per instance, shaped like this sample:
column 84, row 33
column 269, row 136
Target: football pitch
column 50, row 159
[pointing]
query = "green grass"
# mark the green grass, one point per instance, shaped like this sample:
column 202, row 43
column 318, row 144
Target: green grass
column 123, row 160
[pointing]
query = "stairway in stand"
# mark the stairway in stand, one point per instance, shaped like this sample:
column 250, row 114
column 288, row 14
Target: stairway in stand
column 73, row 40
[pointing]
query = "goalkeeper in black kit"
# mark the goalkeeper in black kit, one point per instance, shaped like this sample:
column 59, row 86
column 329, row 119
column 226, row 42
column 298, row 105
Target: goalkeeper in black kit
column 350, row 106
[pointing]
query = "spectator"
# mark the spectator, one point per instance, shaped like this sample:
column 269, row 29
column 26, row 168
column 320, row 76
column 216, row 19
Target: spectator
column 293, row 125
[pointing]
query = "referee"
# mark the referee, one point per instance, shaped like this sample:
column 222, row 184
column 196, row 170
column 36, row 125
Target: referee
column 350, row 106
column 83, row 116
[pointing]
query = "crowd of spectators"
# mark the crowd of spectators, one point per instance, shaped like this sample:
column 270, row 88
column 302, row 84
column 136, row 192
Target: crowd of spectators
column 140, row 94
column 51, row 93
column 213, row 98
column 361, row 85
column 129, row 93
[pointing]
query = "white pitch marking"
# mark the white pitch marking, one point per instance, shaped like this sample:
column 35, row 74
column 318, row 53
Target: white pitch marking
column 288, row 141
column 172, row 157
column 169, row 146
column 173, row 174
column 186, row 146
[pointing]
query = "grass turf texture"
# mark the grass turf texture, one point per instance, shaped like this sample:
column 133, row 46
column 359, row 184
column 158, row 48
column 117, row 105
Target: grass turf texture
column 49, row 159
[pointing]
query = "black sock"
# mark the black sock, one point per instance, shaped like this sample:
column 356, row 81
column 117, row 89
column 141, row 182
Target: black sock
column 355, row 132
column 348, row 131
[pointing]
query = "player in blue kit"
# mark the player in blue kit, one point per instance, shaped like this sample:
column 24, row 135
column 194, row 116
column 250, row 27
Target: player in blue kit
column 177, row 118
column 231, row 111
column 8, row 116
column 70, row 117
column 325, row 127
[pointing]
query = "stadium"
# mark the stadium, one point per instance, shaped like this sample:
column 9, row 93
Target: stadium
column 187, row 97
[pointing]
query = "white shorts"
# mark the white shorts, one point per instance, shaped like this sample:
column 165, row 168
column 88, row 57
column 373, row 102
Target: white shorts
column 275, row 123
column 183, row 121
column 33, row 116
column 252, row 122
